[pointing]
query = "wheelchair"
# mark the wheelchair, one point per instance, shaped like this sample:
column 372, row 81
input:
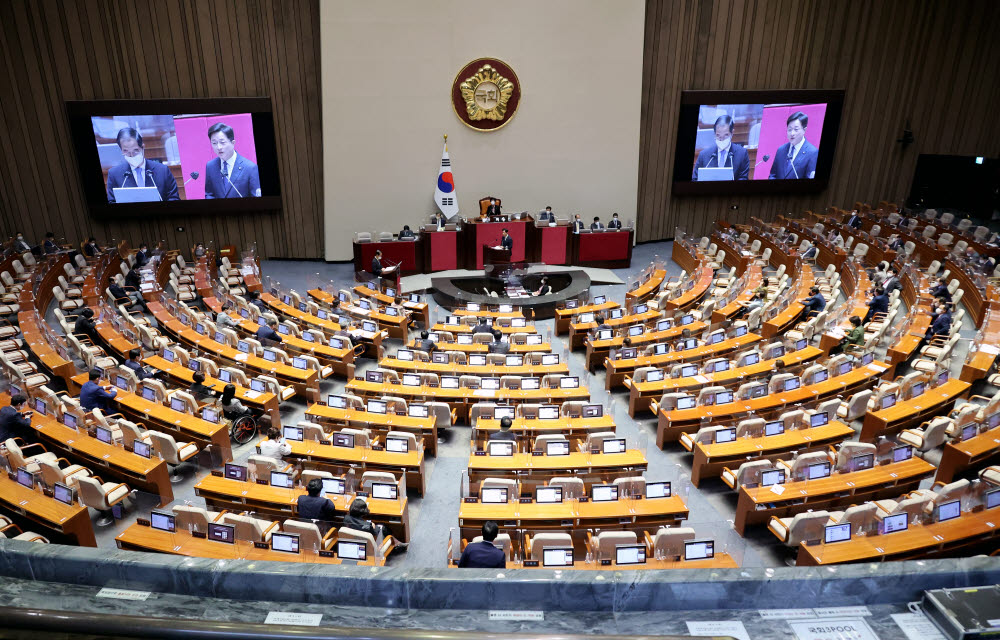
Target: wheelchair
column 242, row 429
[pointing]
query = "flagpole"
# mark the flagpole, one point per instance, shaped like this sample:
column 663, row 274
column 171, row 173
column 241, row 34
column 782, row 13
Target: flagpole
column 446, row 142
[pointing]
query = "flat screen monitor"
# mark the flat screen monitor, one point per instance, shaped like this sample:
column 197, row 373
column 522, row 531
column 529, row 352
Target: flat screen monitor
column 941, row 378
column 550, row 359
column 772, row 476
column 723, row 397
column 777, row 351
column 221, row 338
column 472, row 306
column 411, row 380
column 503, row 412
column 548, row 412
column 514, row 360
column 572, row 304
column 452, row 321
column 300, row 363
column 687, row 319
column 25, row 478
column 364, row 304
column 270, row 355
column 337, row 402
column 178, row 405
column 394, row 444
column 917, row 389
column 686, row 403
column 557, row 557
column 660, row 349
column 518, row 323
column 740, row 331
column 894, row 523
column 663, row 325
column 636, row 330
column 283, row 329
column 369, row 327
column 993, row 420
column 376, row 406
column 281, row 479
column 655, row 375
column 557, row 448
column 493, row 495
column 774, row 428
column 599, row 300
column 616, row 314
column 534, row 339
column 688, row 371
column 699, row 549
column 902, row 454
column 335, row 343
column 837, row 533
column 162, row 521
column 592, row 411
column 949, row 510
column 867, row 358
column 439, row 358
column 613, row 445
column 626, row 554
column 449, row 382
column 342, row 296
column 862, row 462
column 501, row 448
column 222, row 532
column 605, row 334
column 604, row 493
column 640, row 309
column 490, row 384
column 63, row 493
column 199, row 328
column 104, row 435
column 40, row 406
column 385, row 491
column 819, row 376
column 993, row 499
column 791, row 384
column 141, row 448
column 819, row 419
column 888, row 400
column 969, row 431
column 322, row 314
column 477, row 359
column 236, row 472
column 345, row 440
column 725, row 435
column 720, row 366
column 818, row 470
column 844, row 368
column 210, row 415
column 121, row 382
column 801, row 344
column 373, row 376
column 243, row 347
column 716, row 338
column 413, row 297
column 285, row 542
column 292, row 433
column 350, row 550
column 530, row 384
column 548, row 495
column 333, row 487
column 418, row 411
column 258, row 386
column 148, row 394
column 657, row 490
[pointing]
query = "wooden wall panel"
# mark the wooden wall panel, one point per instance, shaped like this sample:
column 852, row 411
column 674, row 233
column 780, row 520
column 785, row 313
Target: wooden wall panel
column 931, row 63
column 53, row 51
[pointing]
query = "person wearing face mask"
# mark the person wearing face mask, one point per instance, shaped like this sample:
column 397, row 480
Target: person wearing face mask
column 136, row 170
column 229, row 175
column 796, row 159
column 493, row 209
column 20, row 244
column 725, row 153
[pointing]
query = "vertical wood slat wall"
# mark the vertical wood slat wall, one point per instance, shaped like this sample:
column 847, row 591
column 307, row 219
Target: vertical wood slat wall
column 53, row 51
column 934, row 64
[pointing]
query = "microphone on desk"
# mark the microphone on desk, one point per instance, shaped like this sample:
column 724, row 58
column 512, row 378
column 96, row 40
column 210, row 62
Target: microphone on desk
column 766, row 158
column 194, row 176
column 149, row 174
column 234, row 186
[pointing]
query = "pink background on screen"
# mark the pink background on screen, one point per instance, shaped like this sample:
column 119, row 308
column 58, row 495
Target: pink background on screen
column 196, row 149
column 773, row 134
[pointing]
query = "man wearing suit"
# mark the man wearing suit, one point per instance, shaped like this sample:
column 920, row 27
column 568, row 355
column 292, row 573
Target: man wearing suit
column 50, row 246
column 20, row 244
column 141, row 256
column 483, row 326
column 725, row 153
column 941, row 326
column 313, row 506
column 596, row 225
column 230, row 175
column 268, row 332
column 796, row 159
column 878, row 304
column 854, row 220
column 138, row 171
column 405, row 233
column 377, row 264
column 493, row 209
column 547, row 215
column 499, row 346
column 506, row 241
column 483, row 555
column 891, row 283
column 13, row 423
column 94, row 396
column 615, row 222
column 440, row 221
column 504, row 434
column 577, row 224
column 91, row 250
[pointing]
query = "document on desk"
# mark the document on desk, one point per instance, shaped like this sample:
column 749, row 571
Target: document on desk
column 877, row 368
column 990, row 349
column 917, row 626
column 702, row 379
column 732, row 628
column 252, row 395
column 484, row 393
column 241, row 357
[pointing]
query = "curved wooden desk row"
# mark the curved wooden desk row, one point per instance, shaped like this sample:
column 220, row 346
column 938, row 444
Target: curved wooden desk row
column 599, row 350
column 544, row 347
column 576, row 430
column 462, row 399
column 373, row 340
column 533, row 471
column 485, row 371
column 36, row 295
column 57, row 521
column 424, row 429
column 464, row 328
column 978, row 451
column 619, row 370
column 182, row 426
column 932, row 402
column 580, row 331
column 648, row 287
column 564, row 317
column 420, row 310
column 718, row 561
column 671, row 424
column 279, row 503
column 396, row 326
column 710, row 460
column 757, row 505
column 642, row 394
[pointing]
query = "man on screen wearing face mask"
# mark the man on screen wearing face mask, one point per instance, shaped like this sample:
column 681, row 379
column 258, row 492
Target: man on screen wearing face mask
column 136, row 170
column 725, row 152
column 229, row 175
column 796, row 159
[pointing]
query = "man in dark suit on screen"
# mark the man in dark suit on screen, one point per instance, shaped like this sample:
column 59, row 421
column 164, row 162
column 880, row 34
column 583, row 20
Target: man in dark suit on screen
column 136, row 170
column 796, row 159
column 725, row 152
column 229, row 175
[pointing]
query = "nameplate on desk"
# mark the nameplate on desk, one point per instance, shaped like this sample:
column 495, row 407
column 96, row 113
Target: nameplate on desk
column 624, row 520
column 531, row 563
column 293, row 617
column 325, row 554
column 606, row 563
column 261, row 545
column 595, row 451
column 377, row 447
column 325, row 442
column 472, row 500
column 127, row 447
column 142, row 522
column 537, row 453
column 199, row 534
column 479, row 453
column 361, row 494
column 217, row 473
column 583, row 499
column 259, row 481
column 524, row 500
column 123, row 594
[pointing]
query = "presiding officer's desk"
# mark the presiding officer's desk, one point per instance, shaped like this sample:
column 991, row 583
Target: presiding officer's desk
column 181, row 543
column 572, row 516
column 32, row 509
column 643, row 394
column 710, row 460
column 977, row 451
column 617, row 370
column 602, row 248
column 280, row 504
column 576, row 430
column 932, row 402
column 304, row 381
column 532, row 471
column 671, row 424
column 106, row 460
column 962, row 536
column 599, row 350
column 757, row 505
column 564, row 317
column 543, row 347
column 425, row 429
column 486, row 370
column 323, row 456
column 463, row 398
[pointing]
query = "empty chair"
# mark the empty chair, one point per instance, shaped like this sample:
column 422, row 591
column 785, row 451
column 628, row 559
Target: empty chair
column 930, row 435
column 797, row 468
column 11, row 531
column 67, row 475
column 804, row 527
column 500, row 483
column 596, row 440
column 103, row 496
column 192, row 518
column 849, row 450
column 368, row 477
column 630, row 486
column 747, row 473
column 855, row 406
column 861, row 517
column 603, row 545
column 668, row 543
column 173, row 453
column 541, row 442
column 309, row 534
column 572, row 487
column 752, row 427
column 249, row 528
column 541, row 541
column 913, row 504
column 17, row 459
column 705, row 435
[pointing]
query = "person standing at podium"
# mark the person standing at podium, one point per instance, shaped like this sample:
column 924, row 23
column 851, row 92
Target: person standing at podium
column 615, row 222
column 377, row 264
column 596, row 225
column 506, row 241
column 493, row 209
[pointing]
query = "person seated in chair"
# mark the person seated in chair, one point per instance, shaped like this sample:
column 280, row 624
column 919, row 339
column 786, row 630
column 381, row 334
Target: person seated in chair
column 93, row 395
column 312, row 506
column 13, row 422
column 425, row 343
column 91, row 250
column 544, row 288
column 596, row 225
column 199, row 389
column 615, row 223
column 268, row 332
column 499, row 344
column 483, row 555
column 232, row 408
column 814, row 303
column 357, row 518
column 254, row 298
column 493, row 209
column 50, row 246
column 85, row 324
column 405, row 233
column 546, row 215
column 483, row 326
column 134, row 363
column 504, row 434
column 119, row 293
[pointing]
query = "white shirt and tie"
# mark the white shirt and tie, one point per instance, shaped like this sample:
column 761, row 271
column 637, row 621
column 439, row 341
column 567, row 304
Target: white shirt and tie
column 793, row 153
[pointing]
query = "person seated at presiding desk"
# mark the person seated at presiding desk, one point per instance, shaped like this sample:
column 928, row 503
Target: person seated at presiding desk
column 425, row 343
column 493, row 209
column 483, row 326
column 14, row 423
column 814, row 303
column 724, row 154
column 878, row 304
column 231, row 407
column 357, row 519
column 50, row 246
column 615, row 223
column 313, row 506
column 85, row 325
column 596, row 225
column 483, row 555
column 544, row 288
column 499, row 344
column 504, row 434
column 134, row 362
column 546, row 215
column 406, row 233
column 94, row 396
column 275, row 446
column 268, row 332
column 577, row 224
column 440, row 221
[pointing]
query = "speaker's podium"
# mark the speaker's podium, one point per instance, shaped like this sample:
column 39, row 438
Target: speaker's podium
column 389, row 277
column 496, row 255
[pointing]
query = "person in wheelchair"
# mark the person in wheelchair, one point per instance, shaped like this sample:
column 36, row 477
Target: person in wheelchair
column 243, row 425
column 231, row 407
